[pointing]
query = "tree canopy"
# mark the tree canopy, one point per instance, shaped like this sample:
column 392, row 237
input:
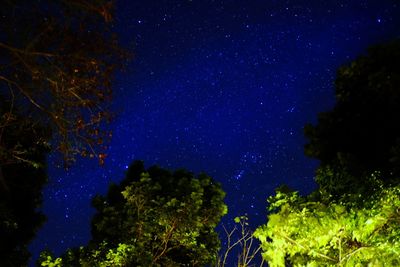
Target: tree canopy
column 361, row 133
column 153, row 218
column 352, row 219
column 21, row 191
column 57, row 60
column 305, row 232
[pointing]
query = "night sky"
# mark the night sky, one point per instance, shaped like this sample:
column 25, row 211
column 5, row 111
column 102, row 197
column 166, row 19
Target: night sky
column 223, row 87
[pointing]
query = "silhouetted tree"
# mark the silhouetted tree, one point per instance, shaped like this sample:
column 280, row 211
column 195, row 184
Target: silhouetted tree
column 352, row 219
column 56, row 64
column 21, row 193
column 362, row 132
column 153, row 218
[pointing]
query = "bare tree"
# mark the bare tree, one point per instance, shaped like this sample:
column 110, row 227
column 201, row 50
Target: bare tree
column 240, row 240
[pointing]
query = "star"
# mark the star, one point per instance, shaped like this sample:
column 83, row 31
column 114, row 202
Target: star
column 220, row 88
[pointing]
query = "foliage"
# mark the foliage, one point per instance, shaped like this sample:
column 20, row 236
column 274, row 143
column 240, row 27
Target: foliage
column 155, row 218
column 338, row 185
column 304, row 232
column 352, row 219
column 20, row 190
column 47, row 259
column 361, row 133
column 57, row 58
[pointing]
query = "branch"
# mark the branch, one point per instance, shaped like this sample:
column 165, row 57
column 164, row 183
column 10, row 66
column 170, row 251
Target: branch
column 228, row 236
column 24, row 93
column 305, row 248
column 26, row 52
column 103, row 10
column 165, row 241
column 245, row 241
column 352, row 253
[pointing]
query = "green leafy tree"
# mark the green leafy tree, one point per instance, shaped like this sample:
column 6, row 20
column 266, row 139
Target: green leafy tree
column 154, row 218
column 352, row 218
column 306, row 232
column 361, row 133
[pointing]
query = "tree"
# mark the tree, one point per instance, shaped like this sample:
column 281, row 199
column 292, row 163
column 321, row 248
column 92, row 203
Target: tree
column 153, row 218
column 306, row 232
column 57, row 60
column 240, row 239
column 19, row 217
column 352, row 219
column 56, row 64
column 361, row 133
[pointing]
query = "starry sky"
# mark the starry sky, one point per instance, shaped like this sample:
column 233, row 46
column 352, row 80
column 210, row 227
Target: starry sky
column 223, row 87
